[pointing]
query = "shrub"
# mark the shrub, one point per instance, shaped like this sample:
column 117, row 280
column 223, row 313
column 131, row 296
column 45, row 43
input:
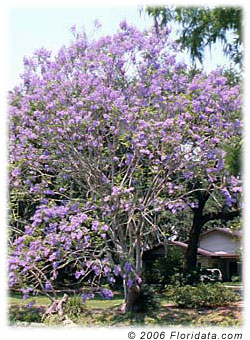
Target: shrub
column 74, row 306
column 209, row 295
column 53, row 320
column 235, row 279
column 164, row 270
column 24, row 314
column 147, row 300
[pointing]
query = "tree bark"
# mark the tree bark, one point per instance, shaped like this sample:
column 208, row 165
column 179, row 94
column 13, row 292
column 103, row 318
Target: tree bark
column 190, row 261
column 193, row 241
column 199, row 220
column 132, row 299
column 56, row 307
column 225, row 215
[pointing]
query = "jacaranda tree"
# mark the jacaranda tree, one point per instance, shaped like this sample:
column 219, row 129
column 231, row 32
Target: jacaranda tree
column 103, row 137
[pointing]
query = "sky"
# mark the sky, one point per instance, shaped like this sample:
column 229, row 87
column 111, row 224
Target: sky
column 30, row 28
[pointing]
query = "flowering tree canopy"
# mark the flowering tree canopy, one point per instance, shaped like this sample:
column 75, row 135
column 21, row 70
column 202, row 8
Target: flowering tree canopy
column 103, row 138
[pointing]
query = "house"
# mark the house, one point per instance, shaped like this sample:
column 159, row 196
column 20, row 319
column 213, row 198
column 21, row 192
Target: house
column 225, row 248
column 218, row 248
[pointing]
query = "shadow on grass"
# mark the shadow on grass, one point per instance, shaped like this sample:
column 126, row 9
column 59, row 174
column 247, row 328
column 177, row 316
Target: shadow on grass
column 100, row 312
column 160, row 316
column 25, row 314
column 166, row 316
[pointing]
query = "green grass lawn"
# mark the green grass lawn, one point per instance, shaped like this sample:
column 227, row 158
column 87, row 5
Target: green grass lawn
column 99, row 303
column 17, row 299
column 232, row 284
column 100, row 312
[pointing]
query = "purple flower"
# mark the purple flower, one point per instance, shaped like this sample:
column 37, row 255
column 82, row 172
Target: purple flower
column 26, row 292
column 82, row 217
column 55, row 264
column 105, row 227
column 87, row 238
column 79, row 235
column 28, row 230
column 16, row 172
column 49, row 192
column 48, row 286
column 31, row 304
column 106, row 198
column 106, row 293
column 116, row 190
column 84, row 297
column 127, row 267
column 95, row 225
column 123, row 25
column 129, row 158
column 79, row 273
column 111, row 279
column 52, row 257
column 97, row 270
column 87, row 296
column 75, row 207
column 117, row 270
column 138, row 280
column 228, row 197
column 130, row 283
column 107, row 270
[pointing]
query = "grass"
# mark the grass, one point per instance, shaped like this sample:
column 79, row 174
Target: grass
column 232, row 284
column 17, row 299
column 99, row 303
column 100, row 312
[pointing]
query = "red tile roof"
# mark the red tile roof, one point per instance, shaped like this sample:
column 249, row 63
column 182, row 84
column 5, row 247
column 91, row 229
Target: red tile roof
column 199, row 250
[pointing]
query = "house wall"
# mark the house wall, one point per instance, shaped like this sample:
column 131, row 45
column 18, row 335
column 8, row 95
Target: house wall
column 217, row 241
column 207, row 262
column 222, row 264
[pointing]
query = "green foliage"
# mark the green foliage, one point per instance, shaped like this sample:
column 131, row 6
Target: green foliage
column 25, row 314
column 147, row 300
column 73, row 309
column 233, row 76
column 234, row 157
column 184, row 278
column 163, row 270
column 210, row 295
column 203, row 26
column 74, row 306
column 235, row 278
column 52, row 320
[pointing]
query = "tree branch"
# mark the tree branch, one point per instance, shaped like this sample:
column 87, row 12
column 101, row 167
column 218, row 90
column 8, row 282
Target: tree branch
column 229, row 215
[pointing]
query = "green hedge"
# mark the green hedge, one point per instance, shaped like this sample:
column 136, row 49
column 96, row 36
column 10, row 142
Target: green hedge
column 204, row 295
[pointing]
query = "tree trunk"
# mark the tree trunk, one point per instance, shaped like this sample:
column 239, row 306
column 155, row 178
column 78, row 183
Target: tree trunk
column 199, row 220
column 191, row 253
column 56, row 307
column 132, row 302
column 194, row 235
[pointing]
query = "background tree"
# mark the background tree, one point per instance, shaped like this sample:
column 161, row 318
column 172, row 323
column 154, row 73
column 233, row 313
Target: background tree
column 202, row 27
